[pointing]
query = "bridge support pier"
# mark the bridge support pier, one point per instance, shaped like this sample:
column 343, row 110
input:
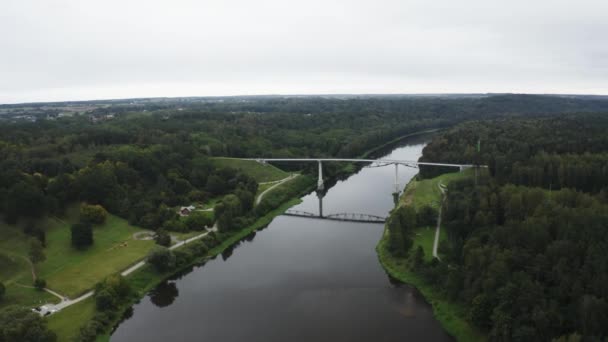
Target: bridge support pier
column 320, row 180
column 396, row 178
column 320, row 197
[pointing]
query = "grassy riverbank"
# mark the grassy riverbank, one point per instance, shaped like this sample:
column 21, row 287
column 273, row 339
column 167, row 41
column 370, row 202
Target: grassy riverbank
column 451, row 315
column 67, row 323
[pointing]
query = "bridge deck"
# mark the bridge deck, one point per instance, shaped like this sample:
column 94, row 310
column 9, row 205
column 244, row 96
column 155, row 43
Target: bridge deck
column 345, row 217
column 353, row 160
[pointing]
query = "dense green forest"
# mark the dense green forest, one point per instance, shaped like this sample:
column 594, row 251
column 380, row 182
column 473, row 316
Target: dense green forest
column 142, row 156
column 527, row 240
column 137, row 160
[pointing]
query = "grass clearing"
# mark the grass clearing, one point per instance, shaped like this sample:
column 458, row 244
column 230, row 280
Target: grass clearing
column 11, row 266
column 26, row 296
column 425, row 237
column 260, row 172
column 66, row 323
column 72, row 272
column 426, row 191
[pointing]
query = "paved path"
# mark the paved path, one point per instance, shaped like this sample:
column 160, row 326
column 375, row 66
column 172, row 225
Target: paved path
column 438, row 229
column 276, row 183
column 65, row 302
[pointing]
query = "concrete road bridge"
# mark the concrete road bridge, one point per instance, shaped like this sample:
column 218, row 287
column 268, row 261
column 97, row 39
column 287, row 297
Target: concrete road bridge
column 371, row 162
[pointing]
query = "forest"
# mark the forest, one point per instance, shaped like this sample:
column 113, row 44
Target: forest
column 527, row 238
column 135, row 161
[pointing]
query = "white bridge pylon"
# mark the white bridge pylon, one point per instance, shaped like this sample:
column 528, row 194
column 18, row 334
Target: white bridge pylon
column 374, row 162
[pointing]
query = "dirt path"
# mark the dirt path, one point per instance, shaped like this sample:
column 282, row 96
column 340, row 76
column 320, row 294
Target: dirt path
column 276, row 183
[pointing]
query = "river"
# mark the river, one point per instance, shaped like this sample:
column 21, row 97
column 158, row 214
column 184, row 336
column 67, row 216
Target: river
column 299, row 279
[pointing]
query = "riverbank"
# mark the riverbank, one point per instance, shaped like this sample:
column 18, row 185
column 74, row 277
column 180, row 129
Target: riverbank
column 392, row 142
column 67, row 324
column 451, row 315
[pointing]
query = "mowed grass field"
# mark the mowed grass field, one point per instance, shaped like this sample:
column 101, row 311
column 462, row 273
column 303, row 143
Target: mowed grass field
column 66, row 270
column 15, row 270
column 426, row 192
column 66, row 324
column 260, row 172
column 72, row 272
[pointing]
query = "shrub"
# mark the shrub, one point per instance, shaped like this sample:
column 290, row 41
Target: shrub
column 182, row 257
column 162, row 238
column 2, row 291
column 82, row 235
column 162, row 259
column 104, row 300
column 199, row 220
column 198, row 248
column 93, row 214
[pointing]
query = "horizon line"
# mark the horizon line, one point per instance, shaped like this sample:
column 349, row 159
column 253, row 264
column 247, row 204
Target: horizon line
column 299, row 95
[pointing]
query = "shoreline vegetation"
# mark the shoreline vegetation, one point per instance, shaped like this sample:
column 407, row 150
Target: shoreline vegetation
column 146, row 278
column 451, row 315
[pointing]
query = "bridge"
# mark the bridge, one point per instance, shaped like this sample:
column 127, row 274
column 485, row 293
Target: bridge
column 347, row 217
column 372, row 162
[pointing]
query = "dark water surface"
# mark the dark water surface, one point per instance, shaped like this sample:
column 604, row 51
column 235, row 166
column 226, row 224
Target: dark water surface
column 299, row 279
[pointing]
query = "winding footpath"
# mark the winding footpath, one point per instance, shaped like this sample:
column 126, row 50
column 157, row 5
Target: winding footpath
column 276, row 183
column 66, row 302
column 438, row 229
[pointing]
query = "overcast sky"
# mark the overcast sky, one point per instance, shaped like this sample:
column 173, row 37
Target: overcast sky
column 88, row 49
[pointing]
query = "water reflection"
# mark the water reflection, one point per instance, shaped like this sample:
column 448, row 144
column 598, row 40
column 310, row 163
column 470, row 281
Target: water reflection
column 164, row 294
column 300, row 280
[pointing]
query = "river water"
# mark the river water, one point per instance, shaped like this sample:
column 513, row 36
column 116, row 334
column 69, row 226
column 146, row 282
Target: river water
column 299, row 279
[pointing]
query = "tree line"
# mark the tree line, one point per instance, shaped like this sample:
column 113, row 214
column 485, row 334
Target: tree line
column 525, row 254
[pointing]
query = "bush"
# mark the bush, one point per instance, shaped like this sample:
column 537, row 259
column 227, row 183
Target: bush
column 198, row 247
column 93, row 214
column 162, row 259
column 182, row 257
column 88, row 332
column 111, row 291
column 2, row 291
column 39, row 284
column 199, row 220
column 82, row 235
column 210, row 240
column 162, row 238
column 104, row 300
